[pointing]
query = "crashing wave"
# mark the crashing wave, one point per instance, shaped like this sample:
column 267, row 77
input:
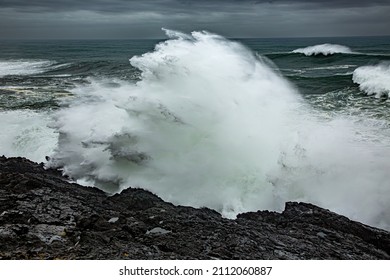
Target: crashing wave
column 209, row 124
column 373, row 80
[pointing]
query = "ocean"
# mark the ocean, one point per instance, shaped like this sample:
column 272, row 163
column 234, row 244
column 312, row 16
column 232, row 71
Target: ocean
column 232, row 124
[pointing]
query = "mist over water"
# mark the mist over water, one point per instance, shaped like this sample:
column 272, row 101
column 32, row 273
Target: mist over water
column 210, row 124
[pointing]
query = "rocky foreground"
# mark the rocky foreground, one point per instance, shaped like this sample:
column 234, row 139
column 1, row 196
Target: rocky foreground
column 42, row 216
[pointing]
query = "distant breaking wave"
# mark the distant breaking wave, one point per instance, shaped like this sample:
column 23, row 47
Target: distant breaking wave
column 324, row 49
column 24, row 67
column 373, row 80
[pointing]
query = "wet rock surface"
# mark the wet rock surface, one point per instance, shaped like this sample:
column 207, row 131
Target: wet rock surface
column 42, row 216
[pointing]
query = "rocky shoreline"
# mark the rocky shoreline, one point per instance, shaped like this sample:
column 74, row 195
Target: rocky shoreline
column 43, row 216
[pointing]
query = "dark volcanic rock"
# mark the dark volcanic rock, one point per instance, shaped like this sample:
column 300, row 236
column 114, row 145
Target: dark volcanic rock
column 42, row 216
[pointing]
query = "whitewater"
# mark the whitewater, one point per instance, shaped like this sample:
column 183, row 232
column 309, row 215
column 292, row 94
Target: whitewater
column 209, row 124
column 373, row 79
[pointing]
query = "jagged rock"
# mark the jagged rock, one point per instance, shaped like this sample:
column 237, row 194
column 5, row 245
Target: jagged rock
column 43, row 216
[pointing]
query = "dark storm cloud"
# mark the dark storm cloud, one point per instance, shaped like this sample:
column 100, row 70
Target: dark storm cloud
column 74, row 5
column 122, row 6
column 233, row 18
column 322, row 3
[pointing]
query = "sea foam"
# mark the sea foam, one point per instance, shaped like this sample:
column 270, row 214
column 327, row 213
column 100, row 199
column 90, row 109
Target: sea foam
column 211, row 125
column 323, row 49
column 373, row 80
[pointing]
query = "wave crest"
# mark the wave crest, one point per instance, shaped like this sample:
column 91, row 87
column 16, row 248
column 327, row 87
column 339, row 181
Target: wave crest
column 323, row 49
column 373, row 80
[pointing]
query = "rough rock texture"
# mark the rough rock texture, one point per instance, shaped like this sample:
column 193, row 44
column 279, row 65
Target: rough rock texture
column 42, row 216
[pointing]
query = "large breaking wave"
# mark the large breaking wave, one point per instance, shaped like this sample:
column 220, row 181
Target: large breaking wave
column 209, row 124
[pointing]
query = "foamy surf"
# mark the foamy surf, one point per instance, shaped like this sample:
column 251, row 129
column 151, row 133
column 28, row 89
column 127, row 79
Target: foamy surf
column 26, row 133
column 323, row 49
column 209, row 124
column 373, row 80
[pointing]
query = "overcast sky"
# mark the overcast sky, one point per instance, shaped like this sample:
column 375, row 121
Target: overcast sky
column 109, row 19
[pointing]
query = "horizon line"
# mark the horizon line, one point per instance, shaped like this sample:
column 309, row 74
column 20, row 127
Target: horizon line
column 165, row 38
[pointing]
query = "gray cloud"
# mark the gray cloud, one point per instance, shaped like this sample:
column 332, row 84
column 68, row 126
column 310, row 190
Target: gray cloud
column 172, row 5
column 233, row 18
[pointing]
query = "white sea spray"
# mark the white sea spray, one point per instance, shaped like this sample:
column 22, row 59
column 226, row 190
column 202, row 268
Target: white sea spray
column 210, row 124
